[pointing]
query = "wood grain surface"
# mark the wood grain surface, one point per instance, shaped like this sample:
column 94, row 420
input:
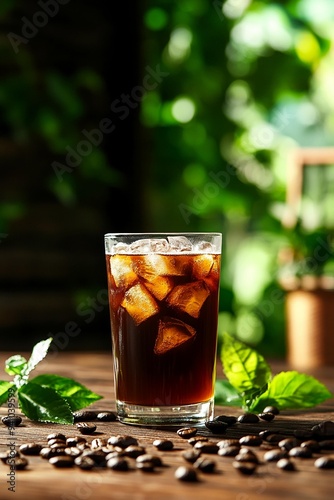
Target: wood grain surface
column 41, row 480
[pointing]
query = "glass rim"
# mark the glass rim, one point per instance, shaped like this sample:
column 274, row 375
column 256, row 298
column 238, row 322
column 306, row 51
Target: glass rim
column 164, row 233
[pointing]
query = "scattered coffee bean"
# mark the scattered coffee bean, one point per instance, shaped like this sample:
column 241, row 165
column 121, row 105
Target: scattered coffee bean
column 324, row 429
column 273, row 438
column 246, row 456
column 207, row 447
column 85, row 463
column 72, row 451
column 266, row 432
column 187, row 432
column 216, row 426
column 11, row 420
column 327, row 444
column 250, row 440
column 106, row 416
column 56, row 443
column 62, row 461
column 205, row 465
column 324, row 462
column 271, row 409
column 267, row 416
column 98, row 443
column 246, row 468
column 84, row 416
column 163, row 444
column 56, row 435
column 9, row 454
column 275, row 455
column 248, row 418
column 187, row 474
column 229, row 442
column 30, row 449
column 133, row 451
column 229, row 420
column 229, row 451
column 118, row 463
column 98, row 456
column 300, row 452
column 303, row 434
column 123, row 441
column 285, row 464
column 86, row 428
column 20, row 463
column 197, row 439
column 312, row 444
column 147, row 457
column 145, row 466
column 289, row 443
column 191, row 455
column 74, row 441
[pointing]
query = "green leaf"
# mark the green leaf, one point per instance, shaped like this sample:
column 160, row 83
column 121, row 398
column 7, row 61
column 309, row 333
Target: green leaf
column 76, row 394
column 244, row 367
column 4, row 391
column 15, row 364
column 226, row 394
column 292, row 390
column 44, row 404
column 39, row 352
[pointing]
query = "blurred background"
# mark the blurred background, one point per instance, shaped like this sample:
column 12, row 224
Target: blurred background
column 159, row 116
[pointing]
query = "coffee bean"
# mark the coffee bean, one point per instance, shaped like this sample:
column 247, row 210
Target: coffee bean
column 56, row 435
column 123, row 441
column 247, row 456
column 207, row 447
column 266, row 432
column 98, row 443
column 324, row 462
column 118, row 463
column 275, row 455
column 86, row 428
column 303, row 434
column 187, row 432
column 229, row 420
column 327, row 444
column 273, row 438
column 289, row 443
column 197, row 439
column 268, row 417
column 300, row 452
column 250, row 440
column 56, row 443
column 98, row 456
column 145, row 466
column 285, row 464
column 324, row 429
column 229, row 451
column 163, row 444
column 312, row 445
column 62, row 461
column 147, row 457
column 9, row 454
column 84, row 416
column 72, row 451
column 30, row 448
column 271, row 409
column 191, row 455
column 187, row 474
column 106, row 416
column 216, row 426
column 74, row 441
column 20, row 463
column 246, row 468
column 133, row 451
column 223, row 443
column 85, row 463
column 48, row 452
column 248, row 418
column 205, row 465
column 11, row 420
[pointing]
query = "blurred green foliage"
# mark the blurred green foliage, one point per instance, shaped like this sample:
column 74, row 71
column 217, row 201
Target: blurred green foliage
column 242, row 83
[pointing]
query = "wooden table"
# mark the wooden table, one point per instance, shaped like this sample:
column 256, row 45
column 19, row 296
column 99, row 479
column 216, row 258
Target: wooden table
column 42, row 481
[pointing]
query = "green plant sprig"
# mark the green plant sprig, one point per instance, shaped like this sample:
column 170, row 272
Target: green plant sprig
column 45, row 398
column 251, row 385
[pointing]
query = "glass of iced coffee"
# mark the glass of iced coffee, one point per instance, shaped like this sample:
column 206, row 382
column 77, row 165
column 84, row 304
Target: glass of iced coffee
column 163, row 296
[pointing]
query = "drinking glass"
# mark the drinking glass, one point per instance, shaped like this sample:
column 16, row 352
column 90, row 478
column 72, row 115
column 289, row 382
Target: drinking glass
column 163, row 299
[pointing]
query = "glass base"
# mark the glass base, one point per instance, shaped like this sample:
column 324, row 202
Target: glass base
column 162, row 416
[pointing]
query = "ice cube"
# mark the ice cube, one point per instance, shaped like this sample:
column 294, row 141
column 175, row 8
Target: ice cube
column 171, row 334
column 202, row 265
column 160, row 286
column 204, row 246
column 180, row 244
column 122, row 271
column 152, row 265
column 159, row 245
column 120, row 248
column 139, row 303
column 189, row 298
